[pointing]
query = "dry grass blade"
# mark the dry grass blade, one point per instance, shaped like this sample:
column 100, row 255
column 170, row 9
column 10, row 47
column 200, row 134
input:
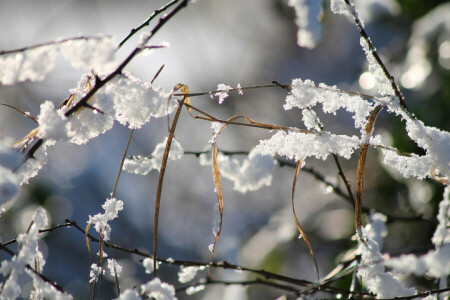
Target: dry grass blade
column 302, row 233
column 86, row 233
column 218, row 186
column 26, row 114
column 360, row 172
column 160, row 182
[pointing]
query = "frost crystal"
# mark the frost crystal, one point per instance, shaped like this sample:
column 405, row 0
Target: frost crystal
column 253, row 173
column 142, row 165
column 222, row 92
column 112, row 207
column 159, row 290
column 309, row 28
column 186, row 274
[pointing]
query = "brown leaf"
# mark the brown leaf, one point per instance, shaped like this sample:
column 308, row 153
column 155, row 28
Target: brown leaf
column 360, row 172
column 161, row 178
column 302, row 233
column 218, row 186
column 86, row 232
column 187, row 100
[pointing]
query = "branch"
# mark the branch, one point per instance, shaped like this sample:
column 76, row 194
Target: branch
column 146, row 22
column 375, row 55
column 57, row 42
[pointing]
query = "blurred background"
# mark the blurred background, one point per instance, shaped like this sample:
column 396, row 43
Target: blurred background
column 232, row 42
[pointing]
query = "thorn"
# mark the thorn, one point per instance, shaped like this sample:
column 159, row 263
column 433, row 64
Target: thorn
column 93, row 108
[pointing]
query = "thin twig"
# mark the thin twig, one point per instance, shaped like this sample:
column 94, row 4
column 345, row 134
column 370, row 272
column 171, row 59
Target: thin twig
column 146, row 22
column 57, row 42
column 375, row 55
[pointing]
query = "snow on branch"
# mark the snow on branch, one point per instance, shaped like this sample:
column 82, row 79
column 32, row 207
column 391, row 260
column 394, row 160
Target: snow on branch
column 29, row 259
column 34, row 62
column 306, row 94
column 142, row 165
column 112, row 207
column 250, row 174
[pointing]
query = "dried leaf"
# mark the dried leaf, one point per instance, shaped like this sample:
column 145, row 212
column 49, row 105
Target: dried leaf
column 161, row 178
column 360, row 172
column 31, row 135
column 26, row 114
column 86, row 232
column 187, row 100
column 218, row 186
column 302, row 233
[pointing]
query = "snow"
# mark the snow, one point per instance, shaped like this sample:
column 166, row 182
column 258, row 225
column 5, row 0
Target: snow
column 114, row 268
column 31, row 167
column 311, row 120
column 298, row 146
column 188, row 273
column 306, row 94
column 216, row 127
column 95, row 273
column 52, row 123
column 222, row 92
column 372, row 267
column 158, row 290
column 28, row 254
column 195, row 289
column 383, row 83
column 339, row 7
column 33, row 64
column 148, row 265
column 142, row 165
column 309, row 28
column 250, row 174
column 442, row 233
column 136, row 102
column 112, row 207
column 435, row 263
column 129, row 295
column 91, row 54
